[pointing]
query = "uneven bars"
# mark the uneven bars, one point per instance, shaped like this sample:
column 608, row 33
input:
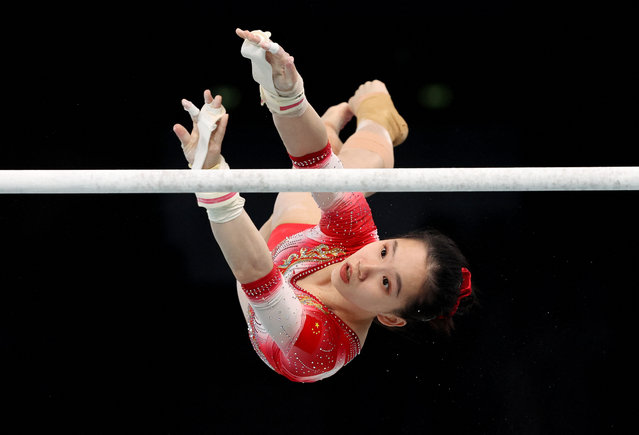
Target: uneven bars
column 321, row 180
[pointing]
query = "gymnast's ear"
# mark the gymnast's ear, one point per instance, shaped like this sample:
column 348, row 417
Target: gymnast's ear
column 391, row 320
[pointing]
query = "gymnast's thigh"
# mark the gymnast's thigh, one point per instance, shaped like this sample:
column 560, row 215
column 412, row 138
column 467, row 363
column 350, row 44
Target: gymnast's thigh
column 295, row 208
column 291, row 208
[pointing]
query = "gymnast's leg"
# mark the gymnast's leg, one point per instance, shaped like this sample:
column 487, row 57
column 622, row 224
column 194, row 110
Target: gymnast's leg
column 371, row 146
column 379, row 128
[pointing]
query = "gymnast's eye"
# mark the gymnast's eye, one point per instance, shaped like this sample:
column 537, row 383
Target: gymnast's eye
column 385, row 282
column 383, row 252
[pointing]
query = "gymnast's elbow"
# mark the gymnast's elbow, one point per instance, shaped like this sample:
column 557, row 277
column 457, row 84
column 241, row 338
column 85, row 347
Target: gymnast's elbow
column 250, row 265
column 244, row 248
column 252, row 271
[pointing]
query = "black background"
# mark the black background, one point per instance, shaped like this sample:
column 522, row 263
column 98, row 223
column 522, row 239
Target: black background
column 119, row 315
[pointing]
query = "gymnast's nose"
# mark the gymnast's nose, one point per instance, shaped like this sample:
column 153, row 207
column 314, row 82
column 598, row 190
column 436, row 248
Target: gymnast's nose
column 365, row 270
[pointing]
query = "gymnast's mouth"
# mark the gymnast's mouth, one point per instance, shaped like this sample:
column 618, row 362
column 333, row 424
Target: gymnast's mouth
column 345, row 273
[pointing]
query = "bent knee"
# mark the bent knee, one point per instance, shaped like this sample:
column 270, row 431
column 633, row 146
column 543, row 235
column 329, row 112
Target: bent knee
column 367, row 150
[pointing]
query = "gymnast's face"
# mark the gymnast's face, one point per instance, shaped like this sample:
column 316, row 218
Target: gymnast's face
column 383, row 277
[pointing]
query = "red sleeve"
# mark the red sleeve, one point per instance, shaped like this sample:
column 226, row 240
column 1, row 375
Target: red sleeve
column 319, row 351
column 312, row 160
column 301, row 341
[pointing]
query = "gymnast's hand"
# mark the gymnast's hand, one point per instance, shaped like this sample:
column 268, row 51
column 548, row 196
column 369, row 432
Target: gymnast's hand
column 189, row 141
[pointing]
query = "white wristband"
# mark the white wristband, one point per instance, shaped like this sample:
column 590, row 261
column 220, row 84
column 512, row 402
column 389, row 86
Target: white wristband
column 292, row 106
column 221, row 207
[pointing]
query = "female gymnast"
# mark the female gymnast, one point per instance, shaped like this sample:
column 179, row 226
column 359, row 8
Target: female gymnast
column 313, row 279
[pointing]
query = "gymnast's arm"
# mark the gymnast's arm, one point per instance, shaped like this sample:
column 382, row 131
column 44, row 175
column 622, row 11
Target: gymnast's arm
column 301, row 135
column 300, row 127
column 243, row 247
column 275, row 305
column 302, row 131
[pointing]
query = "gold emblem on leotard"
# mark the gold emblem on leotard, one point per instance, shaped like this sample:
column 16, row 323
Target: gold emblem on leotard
column 319, row 253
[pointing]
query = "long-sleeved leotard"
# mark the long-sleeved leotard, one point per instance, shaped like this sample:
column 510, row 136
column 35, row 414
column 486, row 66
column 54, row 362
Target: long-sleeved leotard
column 292, row 331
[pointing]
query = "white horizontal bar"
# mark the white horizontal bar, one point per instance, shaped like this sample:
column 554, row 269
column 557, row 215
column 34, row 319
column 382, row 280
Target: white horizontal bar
column 321, row 180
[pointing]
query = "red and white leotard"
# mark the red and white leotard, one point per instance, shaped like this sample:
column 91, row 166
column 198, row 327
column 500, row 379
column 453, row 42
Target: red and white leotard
column 291, row 330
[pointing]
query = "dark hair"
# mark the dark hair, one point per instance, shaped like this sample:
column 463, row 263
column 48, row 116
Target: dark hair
column 441, row 290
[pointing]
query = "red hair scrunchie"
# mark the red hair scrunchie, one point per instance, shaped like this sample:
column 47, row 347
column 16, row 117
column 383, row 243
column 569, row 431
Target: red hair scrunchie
column 464, row 291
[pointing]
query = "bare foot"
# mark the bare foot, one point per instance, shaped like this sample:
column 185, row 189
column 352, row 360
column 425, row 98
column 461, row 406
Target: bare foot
column 335, row 118
column 364, row 91
column 285, row 75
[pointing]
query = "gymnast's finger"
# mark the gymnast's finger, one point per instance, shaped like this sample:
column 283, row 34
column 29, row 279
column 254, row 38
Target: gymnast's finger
column 190, row 107
column 182, row 134
column 208, row 98
column 214, row 103
column 217, row 102
column 245, row 34
column 219, row 132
